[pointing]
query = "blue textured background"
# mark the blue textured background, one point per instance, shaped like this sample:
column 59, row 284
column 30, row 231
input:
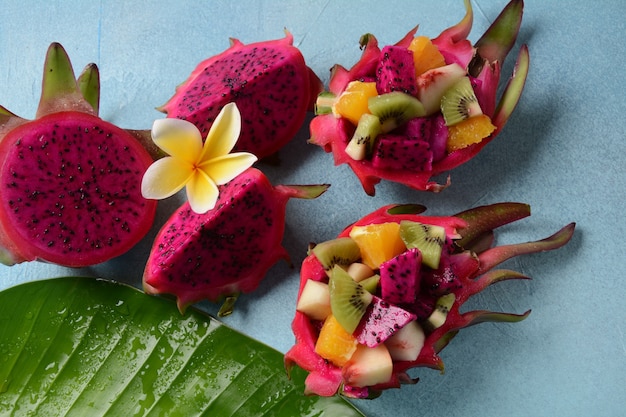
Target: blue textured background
column 562, row 152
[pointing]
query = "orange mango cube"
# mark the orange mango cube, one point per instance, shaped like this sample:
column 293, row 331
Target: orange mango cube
column 352, row 103
column 426, row 56
column 335, row 343
column 378, row 242
column 469, row 132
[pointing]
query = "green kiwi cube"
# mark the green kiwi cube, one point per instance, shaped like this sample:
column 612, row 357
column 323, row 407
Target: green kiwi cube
column 371, row 284
column 348, row 299
column 340, row 251
column 442, row 307
column 429, row 239
column 395, row 109
column 361, row 143
column 459, row 102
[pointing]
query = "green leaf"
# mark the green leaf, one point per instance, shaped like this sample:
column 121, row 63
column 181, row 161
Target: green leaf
column 80, row 346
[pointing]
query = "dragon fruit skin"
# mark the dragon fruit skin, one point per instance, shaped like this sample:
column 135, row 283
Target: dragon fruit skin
column 469, row 230
column 227, row 250
column 483, row 61
column 69, row 180
column 270, row 83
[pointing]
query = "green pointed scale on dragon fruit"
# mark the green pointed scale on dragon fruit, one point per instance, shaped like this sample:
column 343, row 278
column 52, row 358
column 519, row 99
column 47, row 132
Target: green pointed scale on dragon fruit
column 229, row 249
column 469, row 254
column 69, row 181
column 270, row 83
column 481, row 62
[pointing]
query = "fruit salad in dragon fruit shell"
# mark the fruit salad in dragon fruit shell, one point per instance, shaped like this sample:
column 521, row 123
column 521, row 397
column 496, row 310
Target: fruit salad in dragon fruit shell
column 384, row 297
column 421, row 107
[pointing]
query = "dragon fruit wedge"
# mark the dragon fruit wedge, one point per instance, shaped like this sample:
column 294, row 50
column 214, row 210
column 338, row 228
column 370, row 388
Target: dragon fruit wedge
column 394, row 285
column 227, row 250
column 445, row 76
column 70, row 181
column 380, row 322
column 270, row 83
column 410, row 332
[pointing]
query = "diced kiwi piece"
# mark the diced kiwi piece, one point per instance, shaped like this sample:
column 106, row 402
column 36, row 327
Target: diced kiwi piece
column 348, row 299
column 371, row 284
column 438, row 317
column 341, row 251
column 361, row 143
column 324, row 102
column 459, row 102
column 429, row 239
column 395, row 109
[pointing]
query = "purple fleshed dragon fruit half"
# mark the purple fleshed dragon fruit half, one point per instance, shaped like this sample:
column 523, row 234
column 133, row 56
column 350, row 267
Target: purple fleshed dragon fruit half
column 70, row 181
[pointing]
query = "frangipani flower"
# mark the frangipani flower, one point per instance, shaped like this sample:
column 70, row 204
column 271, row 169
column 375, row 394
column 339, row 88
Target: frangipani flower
column 201, row 168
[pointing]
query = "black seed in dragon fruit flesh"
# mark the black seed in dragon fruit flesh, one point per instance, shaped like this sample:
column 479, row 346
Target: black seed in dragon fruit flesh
column 423, row 306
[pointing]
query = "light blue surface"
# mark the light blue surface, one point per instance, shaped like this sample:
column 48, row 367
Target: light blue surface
column 562, row 152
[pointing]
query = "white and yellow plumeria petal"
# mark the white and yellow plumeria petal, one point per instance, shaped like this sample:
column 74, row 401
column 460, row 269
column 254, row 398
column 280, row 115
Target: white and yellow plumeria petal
column 165, row 177
column 178, row 138
column 202, row 193
column 225, row 168
column 223, row 134
column 201, row 168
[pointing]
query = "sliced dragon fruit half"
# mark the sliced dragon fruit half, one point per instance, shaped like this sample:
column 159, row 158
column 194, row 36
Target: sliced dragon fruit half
column 70, row 181
column 405, row 331
column 449, row 75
